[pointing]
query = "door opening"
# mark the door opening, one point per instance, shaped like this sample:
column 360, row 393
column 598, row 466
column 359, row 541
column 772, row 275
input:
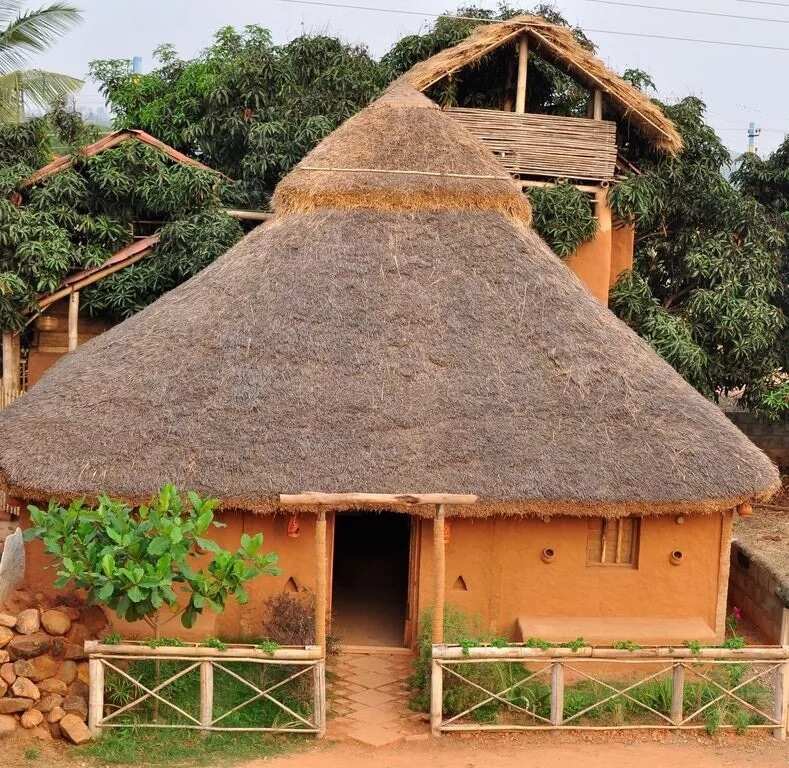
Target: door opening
column 370, row 578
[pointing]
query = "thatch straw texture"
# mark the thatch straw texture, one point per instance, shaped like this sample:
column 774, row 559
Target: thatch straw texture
column 558, row 45
column 401, row 153
column 381, row 351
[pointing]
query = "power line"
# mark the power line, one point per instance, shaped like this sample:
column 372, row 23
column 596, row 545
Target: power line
column 765, row 2
column 651, row 36
column 687, row 11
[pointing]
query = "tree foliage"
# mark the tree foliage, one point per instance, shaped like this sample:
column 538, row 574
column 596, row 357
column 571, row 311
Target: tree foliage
column 707, row 279
column 139, row 562
column 563, row 216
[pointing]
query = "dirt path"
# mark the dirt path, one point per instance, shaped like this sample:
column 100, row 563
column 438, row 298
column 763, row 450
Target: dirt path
column 528, row 752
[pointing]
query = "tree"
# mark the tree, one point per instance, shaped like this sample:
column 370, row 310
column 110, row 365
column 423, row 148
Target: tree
column 141, row 562
column 23, row 33
column 705, row 289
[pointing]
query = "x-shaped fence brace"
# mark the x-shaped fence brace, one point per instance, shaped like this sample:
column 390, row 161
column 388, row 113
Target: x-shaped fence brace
column 491, row 696
column 310, row 727
column 730, row 692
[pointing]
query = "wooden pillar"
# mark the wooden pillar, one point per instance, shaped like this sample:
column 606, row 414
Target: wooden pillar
column 206, row 694
column 724, row 565
column 11, row 354
column 436, row 697
column 677, row 693
column 95, row 696
column 597, row 104
column 320, row 582
column 319, row 697
column 439, row 576
column 781, row 705
column 557, row 693
column 523, row 67
column 73, row 321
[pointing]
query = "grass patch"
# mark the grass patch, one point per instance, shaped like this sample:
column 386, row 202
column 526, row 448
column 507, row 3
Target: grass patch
column 148, row 746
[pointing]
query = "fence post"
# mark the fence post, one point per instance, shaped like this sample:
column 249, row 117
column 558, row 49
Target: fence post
column 206, row 695
column 436, row 697
column 319, row 693
column 781, row 705
column 95, row 696
column 677, row 692
column 557, row 693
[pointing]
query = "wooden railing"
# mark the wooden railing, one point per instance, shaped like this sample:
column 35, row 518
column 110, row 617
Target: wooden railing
column 196, row 676
column 8, row 396
column 522, row 688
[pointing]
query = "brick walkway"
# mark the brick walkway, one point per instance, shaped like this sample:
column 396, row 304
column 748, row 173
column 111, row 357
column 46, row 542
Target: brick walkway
column 368, row 699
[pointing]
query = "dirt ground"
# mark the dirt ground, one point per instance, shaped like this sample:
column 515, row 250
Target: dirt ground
column 638, row 750
column 506, row 751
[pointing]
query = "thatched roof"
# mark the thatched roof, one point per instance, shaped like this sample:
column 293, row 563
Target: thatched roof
column 374, row 349
column 558, row 45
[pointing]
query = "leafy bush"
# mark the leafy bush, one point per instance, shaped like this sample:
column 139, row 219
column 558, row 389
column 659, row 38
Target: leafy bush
column 563, row 216
column 289, row 619
column 136, row 562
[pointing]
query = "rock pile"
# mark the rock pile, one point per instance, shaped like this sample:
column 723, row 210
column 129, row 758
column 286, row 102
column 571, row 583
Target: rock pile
column 43, row 667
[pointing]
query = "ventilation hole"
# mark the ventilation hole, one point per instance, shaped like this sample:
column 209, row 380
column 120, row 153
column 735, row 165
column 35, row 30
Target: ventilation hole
column 291, row 585
column 460, row 584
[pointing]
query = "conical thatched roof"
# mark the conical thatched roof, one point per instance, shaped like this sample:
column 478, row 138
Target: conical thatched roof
column 373, row 349
column 558, row 45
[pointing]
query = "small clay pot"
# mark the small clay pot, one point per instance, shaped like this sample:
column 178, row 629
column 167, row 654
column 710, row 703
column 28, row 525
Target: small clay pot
column 677, row 557
column 548, row 555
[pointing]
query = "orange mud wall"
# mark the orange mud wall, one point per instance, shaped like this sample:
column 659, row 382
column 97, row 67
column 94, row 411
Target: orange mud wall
column 599, row 262
column 499, row 562
column 297, row 563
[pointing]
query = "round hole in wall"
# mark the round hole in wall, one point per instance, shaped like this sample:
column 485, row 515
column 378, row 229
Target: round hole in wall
column 677, row 557
column 548, row 554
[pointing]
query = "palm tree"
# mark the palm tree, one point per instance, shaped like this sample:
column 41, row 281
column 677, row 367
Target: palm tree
column 23, row 33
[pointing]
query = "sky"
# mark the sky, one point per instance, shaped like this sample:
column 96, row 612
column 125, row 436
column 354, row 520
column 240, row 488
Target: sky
column 738, row 84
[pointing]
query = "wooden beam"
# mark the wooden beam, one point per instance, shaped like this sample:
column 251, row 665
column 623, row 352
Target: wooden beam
column 439, row 575
column 316, row 497
column 73, row 321
column 248, row 215
column 321, row 572
column 523, row 70
column 11, row 355
column 597, row 104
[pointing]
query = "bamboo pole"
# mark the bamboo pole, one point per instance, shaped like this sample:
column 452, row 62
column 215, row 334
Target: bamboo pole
column 781, row 703
column 11, row 354
column 439, row 575
column 523, row 69
column 557, row 693
column 73, row 321
column 436, row 697
column 597, row 104
column 241, row 653
column 319, row 694
column 95, row 696
column 206, row 694
column 320, row 582
column 677, row 693
column 724, row 565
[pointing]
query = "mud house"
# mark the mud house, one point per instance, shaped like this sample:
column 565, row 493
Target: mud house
column 417, row 402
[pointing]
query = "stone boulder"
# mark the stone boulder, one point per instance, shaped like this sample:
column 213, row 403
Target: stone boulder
column 56, row 714
column 9, row 706
column 74, row 729
column 48, row 702
column 26, row 647
column 7, row 620
column 7, row 674
column 31, row 718
column 28, row 622
column 94, row 619
column 53, row 685
column 6, row 636
column 7, row 725
column 75, row 705
column 38, row 668
column 67, row 672
column 55, row 622
column 25, row 689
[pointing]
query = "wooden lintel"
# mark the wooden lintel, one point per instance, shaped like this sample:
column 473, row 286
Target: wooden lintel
column 318, row 498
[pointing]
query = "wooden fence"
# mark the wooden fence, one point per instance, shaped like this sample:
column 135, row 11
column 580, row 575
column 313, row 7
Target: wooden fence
column 151, row 705
column 522, row 688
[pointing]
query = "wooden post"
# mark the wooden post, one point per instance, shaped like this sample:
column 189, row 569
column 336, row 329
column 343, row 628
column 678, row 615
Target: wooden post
column 439, row 575
column 784, row 639
column 320, row 582
column 781, row 706
column 95, row 696
column 11, row 353
column 597, row 104
column 724, row 565
column 73, row 321
column 523, row 68
column 677, row 693
column 319, row 697
column 206, row 694
column 436, row 697
column 557, row 693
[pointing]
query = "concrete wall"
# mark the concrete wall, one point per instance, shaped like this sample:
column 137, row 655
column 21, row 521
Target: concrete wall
column 772, row 438
column 758, row 593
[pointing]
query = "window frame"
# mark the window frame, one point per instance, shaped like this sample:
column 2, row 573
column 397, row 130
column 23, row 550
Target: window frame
column 635, row 546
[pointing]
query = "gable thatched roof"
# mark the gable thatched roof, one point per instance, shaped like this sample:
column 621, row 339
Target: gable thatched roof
column 365, row 348
column 558, row 45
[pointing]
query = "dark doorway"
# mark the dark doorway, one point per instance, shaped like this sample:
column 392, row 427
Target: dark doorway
column 370, row 578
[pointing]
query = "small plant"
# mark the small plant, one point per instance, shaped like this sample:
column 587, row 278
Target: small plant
column 734, row 642
column 215, row 643
column 499, row 642
column 733, row 619
column 113, row 638
column 118, row 691
column 626, row 645
column 268, row 646
column 536, row 642
column 165, row 642
column 712, row 720
column 466, row 644
column 574, row 645
column 694, row 646
column 31, row 753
